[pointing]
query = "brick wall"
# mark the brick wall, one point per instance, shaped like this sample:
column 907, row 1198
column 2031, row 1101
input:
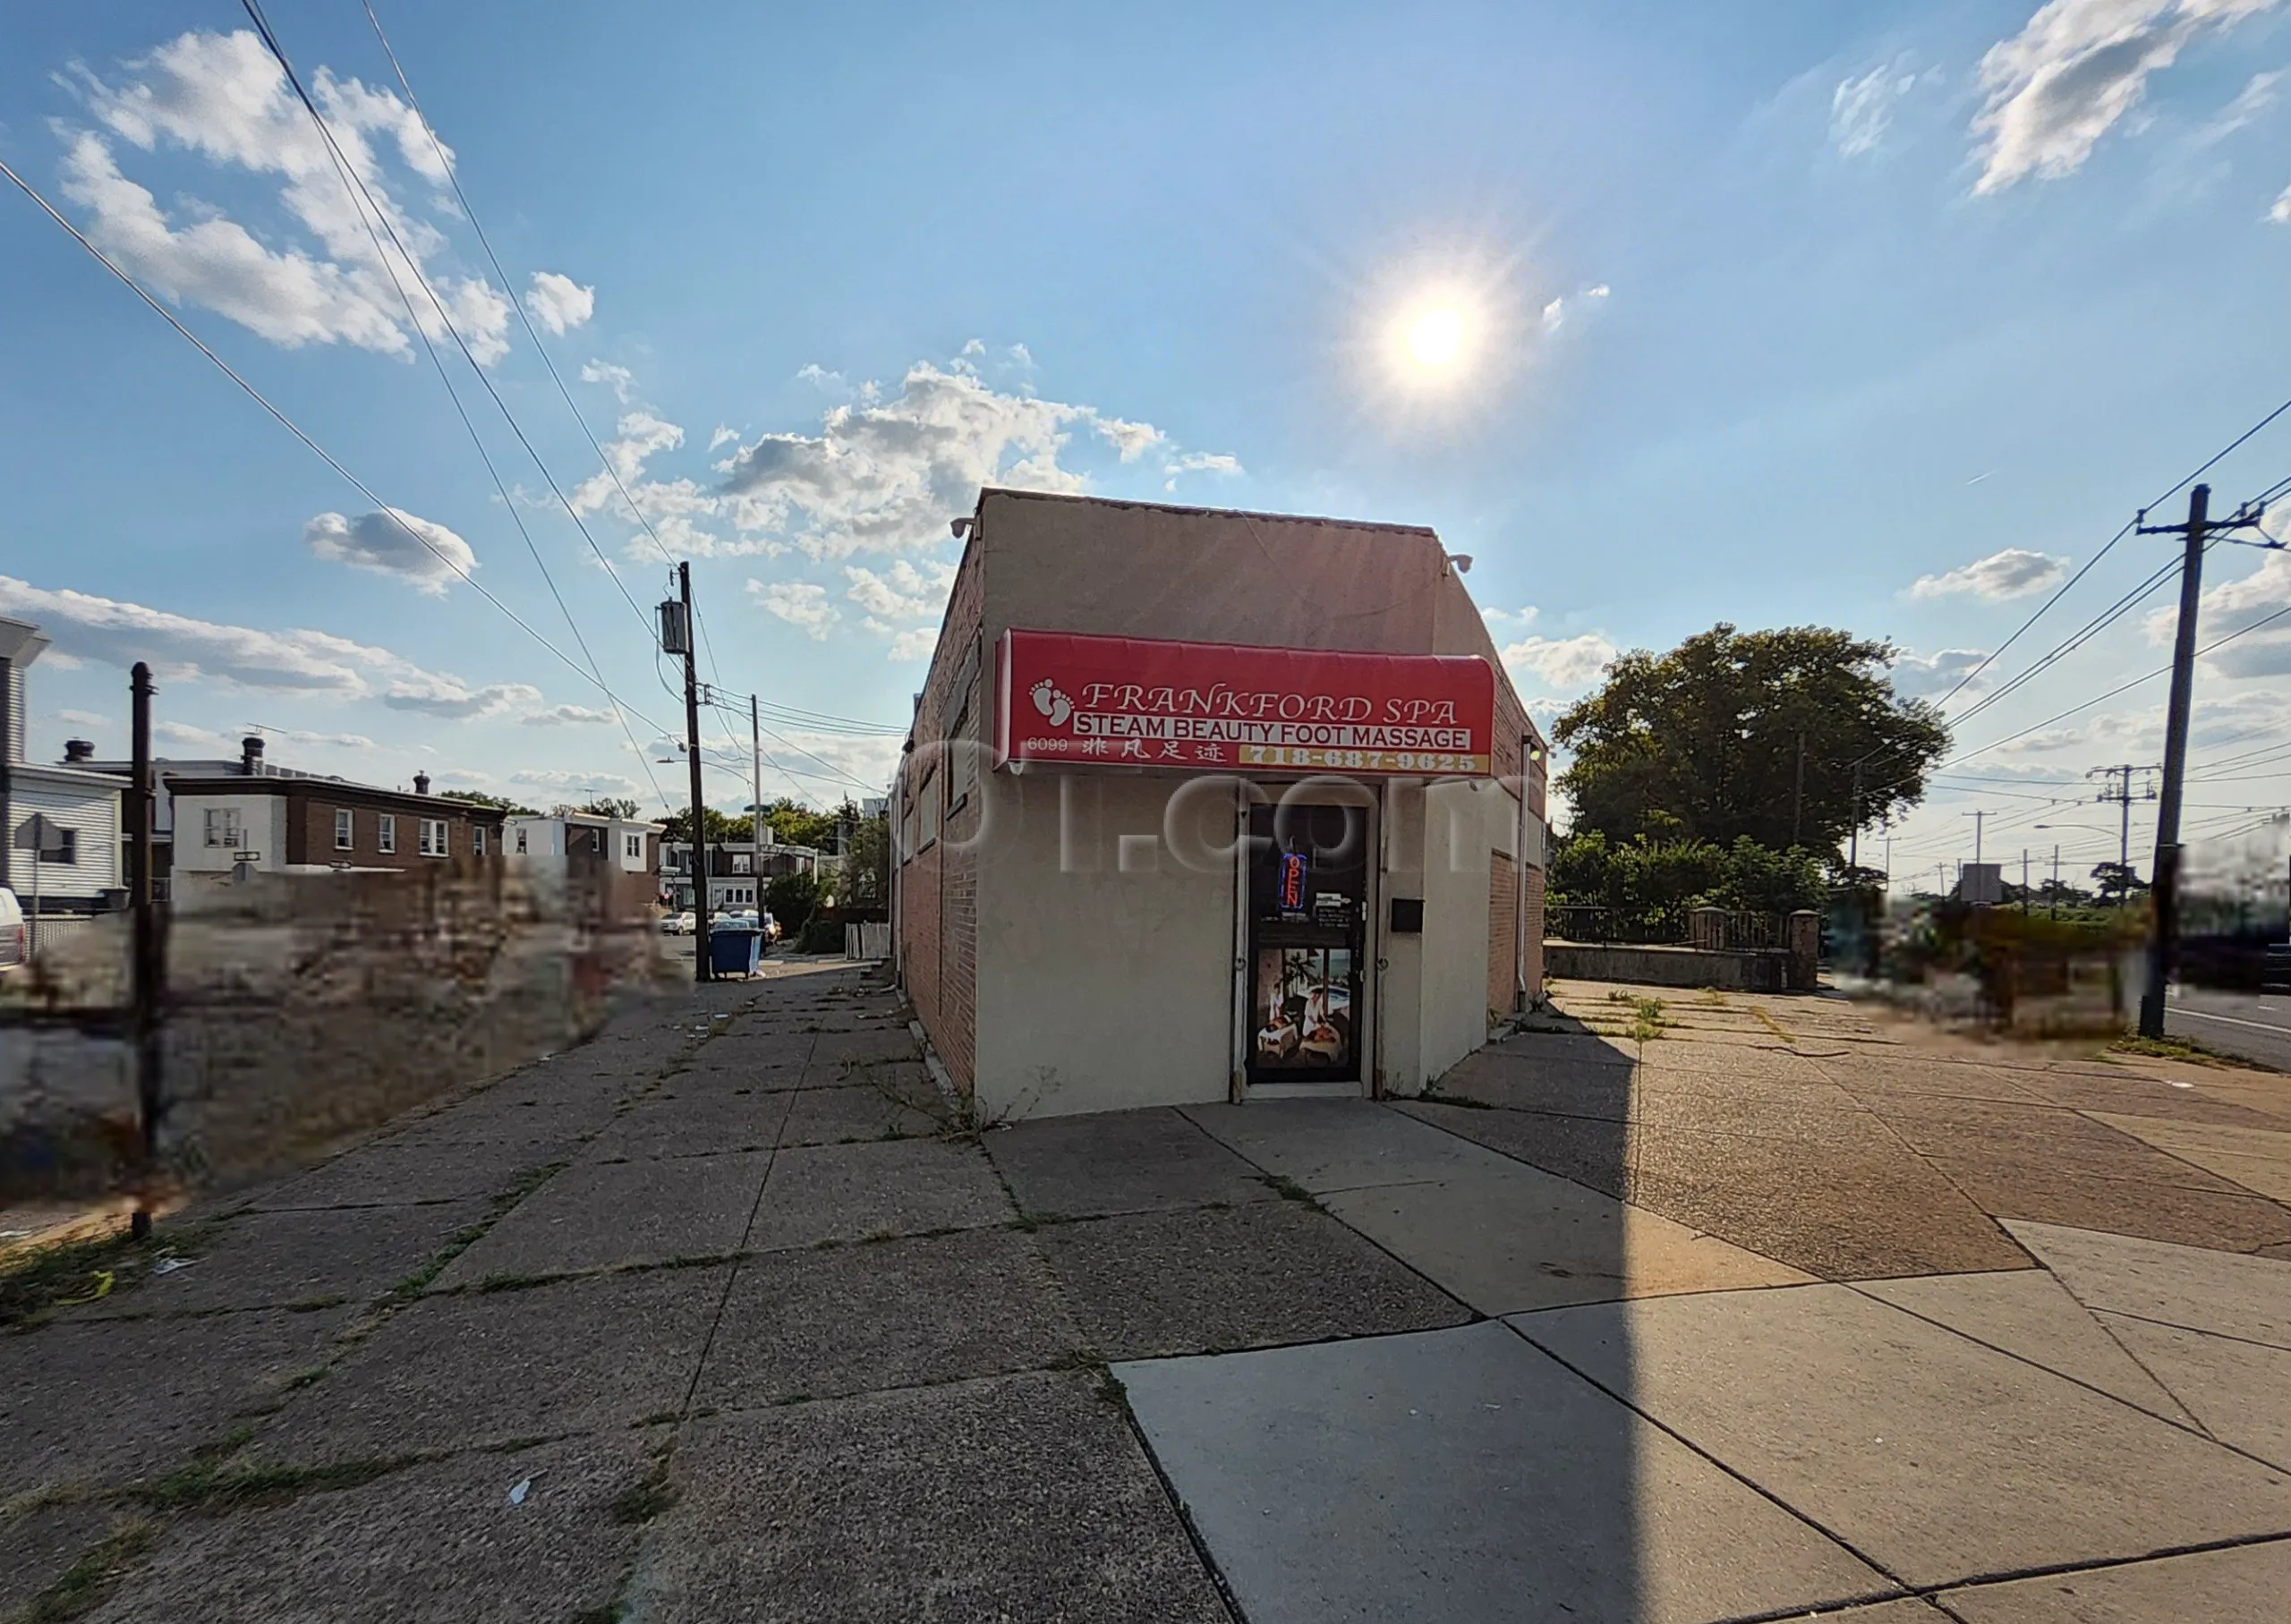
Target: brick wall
column 938, row 886
column 310, row 833
column 1503, row 927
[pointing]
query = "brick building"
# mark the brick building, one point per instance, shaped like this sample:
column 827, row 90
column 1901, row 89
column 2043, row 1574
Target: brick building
column 277, row 823
column 1202, row 805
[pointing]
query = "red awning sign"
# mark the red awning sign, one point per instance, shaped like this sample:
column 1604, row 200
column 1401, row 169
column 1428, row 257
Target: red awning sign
column 1126, row 702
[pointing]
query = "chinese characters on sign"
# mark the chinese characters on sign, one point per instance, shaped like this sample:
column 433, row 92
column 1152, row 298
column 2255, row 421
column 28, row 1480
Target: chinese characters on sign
column 1131, row 701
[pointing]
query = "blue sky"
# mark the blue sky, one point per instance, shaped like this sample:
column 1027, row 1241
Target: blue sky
column 1766, row 313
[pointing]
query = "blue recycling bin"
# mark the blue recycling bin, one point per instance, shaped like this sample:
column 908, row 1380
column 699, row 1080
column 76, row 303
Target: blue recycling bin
column 735, row 951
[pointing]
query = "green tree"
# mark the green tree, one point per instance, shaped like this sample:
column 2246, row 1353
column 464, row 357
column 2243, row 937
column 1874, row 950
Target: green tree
column 610, row 806
column 793, row 899
column 678, row 826
column 867, row 879
column 476, row 798
column 1705, row 740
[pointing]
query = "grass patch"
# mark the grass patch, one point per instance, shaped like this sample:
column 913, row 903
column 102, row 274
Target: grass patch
column 82, row 1584
column 37, row 1280
column 229, row 1444
column 2189, row 1049
column 1289, row 1189
column 315, row 1304
column 208, row 1485
column 413, row 1284
column 1773, row 1025
column 301, row 1379
column 1646, row 1018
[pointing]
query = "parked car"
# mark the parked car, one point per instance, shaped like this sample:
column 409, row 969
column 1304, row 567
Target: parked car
column 13, row 947
column 678, row 924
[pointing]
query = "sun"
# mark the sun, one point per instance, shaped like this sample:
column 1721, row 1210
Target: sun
column 1436, row 338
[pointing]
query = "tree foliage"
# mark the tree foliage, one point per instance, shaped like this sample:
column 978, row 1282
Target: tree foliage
column 1703, row 743
column 606, row 806
column 1648, row 885
column 478, row 798
column 794, row 898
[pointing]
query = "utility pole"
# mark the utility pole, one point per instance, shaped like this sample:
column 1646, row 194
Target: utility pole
column 755, row 790
column 147, row 967
column 1979, row 818
column 2056, row 880
column 676, row 638
column 2163, row 884
column 2117, row 786
column 2025, row 879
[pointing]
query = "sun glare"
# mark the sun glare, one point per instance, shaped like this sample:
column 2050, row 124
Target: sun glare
column 1436, row 338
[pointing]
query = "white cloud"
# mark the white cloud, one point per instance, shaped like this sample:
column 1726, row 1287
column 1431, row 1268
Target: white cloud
column 559, row 302
column 1918, row 675
column 317, row 664
column 392, row 541
column 2013, row 573
column 1560, row 311
column 802, row 604
column 2077, row 68
column 223, row 97
column 723, row 436
column 571, row 716
column 1860, row 109
column 1562, row 662
column 2257, row 96
column 1200, row 461
column 1130, row 440
column 186, row 733
column 916, row 642
column 902, row 592
column 885, row 473
column 618, row 378
column 559, row 778
column 84, row 718
column 311, row 740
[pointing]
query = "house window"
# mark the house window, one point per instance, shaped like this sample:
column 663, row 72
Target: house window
column 344, row 831
column 386, row 832
column 65, row 851
column 430, row 837
column 477, row 840
column 223, row 828
column 634, row 846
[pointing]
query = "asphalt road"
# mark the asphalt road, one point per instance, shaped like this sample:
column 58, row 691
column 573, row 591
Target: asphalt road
column 2258, row 1028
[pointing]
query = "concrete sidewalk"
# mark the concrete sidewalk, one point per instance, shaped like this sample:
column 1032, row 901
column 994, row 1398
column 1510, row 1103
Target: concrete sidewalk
column 720, row 1317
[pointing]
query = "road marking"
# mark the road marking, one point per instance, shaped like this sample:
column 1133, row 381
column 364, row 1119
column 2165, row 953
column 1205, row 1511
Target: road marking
column 2233, row 1021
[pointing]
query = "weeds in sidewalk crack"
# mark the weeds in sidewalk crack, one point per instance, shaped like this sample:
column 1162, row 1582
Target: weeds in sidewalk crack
column 1289, row 1189
column 641, row 1503
column 212, row 1486
column 81, row 1586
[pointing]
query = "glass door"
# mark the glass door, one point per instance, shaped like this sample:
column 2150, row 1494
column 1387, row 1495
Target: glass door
column 1308, row 913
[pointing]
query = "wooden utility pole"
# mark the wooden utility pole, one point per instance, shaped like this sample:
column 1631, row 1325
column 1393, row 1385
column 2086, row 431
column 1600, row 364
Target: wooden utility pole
column 676, row 638
column 2164, row 892
column 147, row 968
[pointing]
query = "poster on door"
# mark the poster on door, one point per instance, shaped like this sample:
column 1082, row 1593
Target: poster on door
column 1304, row 1008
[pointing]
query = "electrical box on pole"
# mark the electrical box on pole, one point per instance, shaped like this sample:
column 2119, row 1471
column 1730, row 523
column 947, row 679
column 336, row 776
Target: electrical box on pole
column 675, row 628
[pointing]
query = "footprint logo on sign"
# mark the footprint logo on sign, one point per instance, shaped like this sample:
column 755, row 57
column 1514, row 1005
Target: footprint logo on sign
column 1053, row 702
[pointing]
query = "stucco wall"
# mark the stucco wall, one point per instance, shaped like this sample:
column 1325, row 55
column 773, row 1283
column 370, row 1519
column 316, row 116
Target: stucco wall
column 1454, row 1019
column 1099, row 988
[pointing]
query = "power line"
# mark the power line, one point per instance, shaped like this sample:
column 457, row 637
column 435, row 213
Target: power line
column 312, row 445
column 2038, row 613
column 354, row 185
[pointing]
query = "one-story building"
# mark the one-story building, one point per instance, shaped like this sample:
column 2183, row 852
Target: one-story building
column 1203, row 805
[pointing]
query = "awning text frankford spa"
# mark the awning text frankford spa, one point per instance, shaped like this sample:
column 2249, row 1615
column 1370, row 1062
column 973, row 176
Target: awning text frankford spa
column 1140, row 703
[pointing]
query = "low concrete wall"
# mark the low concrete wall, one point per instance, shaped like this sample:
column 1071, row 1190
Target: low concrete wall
column 1745, row 971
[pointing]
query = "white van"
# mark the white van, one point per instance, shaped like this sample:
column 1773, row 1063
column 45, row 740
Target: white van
column 13, row 946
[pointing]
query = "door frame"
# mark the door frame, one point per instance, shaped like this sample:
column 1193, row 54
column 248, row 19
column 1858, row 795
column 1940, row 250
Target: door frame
column 1367, row 1037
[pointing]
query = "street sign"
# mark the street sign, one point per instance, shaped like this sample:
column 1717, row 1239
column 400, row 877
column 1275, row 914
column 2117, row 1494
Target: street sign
column 41, row 833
